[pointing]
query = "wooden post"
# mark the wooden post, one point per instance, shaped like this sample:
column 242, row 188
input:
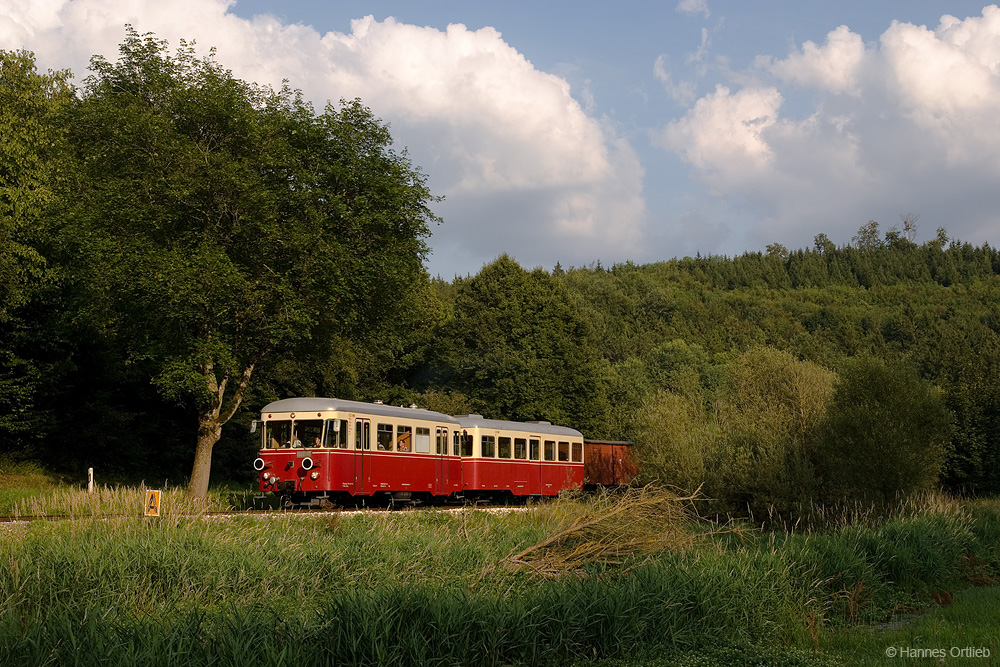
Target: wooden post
column 90, row 480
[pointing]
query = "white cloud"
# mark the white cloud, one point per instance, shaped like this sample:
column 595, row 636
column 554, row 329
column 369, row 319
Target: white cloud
column 833, row 67
column 723, row 135
column 520, row 162
column 693, row 7
column 905, row 124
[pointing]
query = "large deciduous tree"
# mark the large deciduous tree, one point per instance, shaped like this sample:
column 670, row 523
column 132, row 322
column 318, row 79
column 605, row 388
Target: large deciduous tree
column 224, row 225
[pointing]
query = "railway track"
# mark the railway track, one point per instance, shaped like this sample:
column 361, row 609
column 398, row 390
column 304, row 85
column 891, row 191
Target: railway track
column 269, row 513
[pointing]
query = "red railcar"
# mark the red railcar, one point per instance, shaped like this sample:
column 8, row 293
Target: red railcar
column 317, row 449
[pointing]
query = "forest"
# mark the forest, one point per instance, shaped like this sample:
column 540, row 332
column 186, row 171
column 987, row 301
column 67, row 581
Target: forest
column 179, row 247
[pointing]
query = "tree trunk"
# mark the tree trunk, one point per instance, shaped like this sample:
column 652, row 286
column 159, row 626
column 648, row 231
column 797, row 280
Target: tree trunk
column 209, row 432
column 212, row 417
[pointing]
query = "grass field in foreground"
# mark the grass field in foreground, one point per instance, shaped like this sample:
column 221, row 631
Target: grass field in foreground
column 623, row 580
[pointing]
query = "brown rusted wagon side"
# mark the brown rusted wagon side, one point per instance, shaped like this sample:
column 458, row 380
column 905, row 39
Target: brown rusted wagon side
column 608, row 463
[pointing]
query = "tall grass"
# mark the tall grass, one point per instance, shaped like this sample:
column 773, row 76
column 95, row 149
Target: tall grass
column 367, row 589
column 116, row 501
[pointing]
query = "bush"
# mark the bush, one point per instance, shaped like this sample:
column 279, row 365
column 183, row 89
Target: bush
column 884, row 434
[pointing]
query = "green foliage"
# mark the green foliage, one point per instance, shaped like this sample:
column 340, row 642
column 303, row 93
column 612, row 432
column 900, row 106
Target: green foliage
column 885, row 433
column 31, row 158
column 519, row 350
column 768, row 411
column 754, row 447
column 675, row 438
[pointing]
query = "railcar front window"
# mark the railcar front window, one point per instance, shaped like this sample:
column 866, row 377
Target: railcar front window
column 384, row 437
column 309, row 432
column 466, row 445
column 503, row 448
column 488, row 446
column 520, row 448
column 577, row 452
column 278, row 434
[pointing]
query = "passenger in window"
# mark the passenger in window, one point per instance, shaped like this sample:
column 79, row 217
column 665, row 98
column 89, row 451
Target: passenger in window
column 317, row 441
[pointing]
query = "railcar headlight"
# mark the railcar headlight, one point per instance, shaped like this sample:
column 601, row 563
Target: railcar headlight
column 314, row 474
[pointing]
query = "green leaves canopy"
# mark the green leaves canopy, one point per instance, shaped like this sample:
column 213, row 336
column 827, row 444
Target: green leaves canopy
column 30, row 161
column 521, row 351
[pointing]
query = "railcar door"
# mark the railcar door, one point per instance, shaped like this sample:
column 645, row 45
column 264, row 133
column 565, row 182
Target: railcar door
column 441, row 462
column 362, row 450
column 535, row 465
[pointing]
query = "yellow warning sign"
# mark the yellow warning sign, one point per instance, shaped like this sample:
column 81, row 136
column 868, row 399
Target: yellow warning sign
column 152, row 503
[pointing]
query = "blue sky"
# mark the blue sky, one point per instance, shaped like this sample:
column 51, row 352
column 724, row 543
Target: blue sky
column 594, row 131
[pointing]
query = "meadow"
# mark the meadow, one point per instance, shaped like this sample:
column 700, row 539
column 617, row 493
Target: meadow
column 629, row 579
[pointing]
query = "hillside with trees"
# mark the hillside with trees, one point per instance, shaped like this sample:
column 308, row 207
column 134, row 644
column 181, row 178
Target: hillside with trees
column 178, row 247
column 771, row 379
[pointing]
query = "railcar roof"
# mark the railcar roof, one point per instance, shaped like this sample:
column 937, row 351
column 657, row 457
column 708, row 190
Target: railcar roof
column 306, row 405
column 477, row 421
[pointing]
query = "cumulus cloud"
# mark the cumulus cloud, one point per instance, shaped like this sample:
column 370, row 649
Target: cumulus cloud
column 833, row 67
column 904, row 124
column 522, row 165
column 723, row 134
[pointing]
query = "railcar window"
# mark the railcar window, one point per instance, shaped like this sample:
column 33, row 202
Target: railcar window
column 404, row 438
column 278, row 434
column 309, row 432
column 466, row 444
column 362, row 435
column 336, row 433
column 488, row 446
column 534, row 449
column 577, row 452
column 383, row 436
column 550, row 450
column 423, row 441
column 441, row 437
column 564, row 451
column 520, row 448
column 503, row 448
